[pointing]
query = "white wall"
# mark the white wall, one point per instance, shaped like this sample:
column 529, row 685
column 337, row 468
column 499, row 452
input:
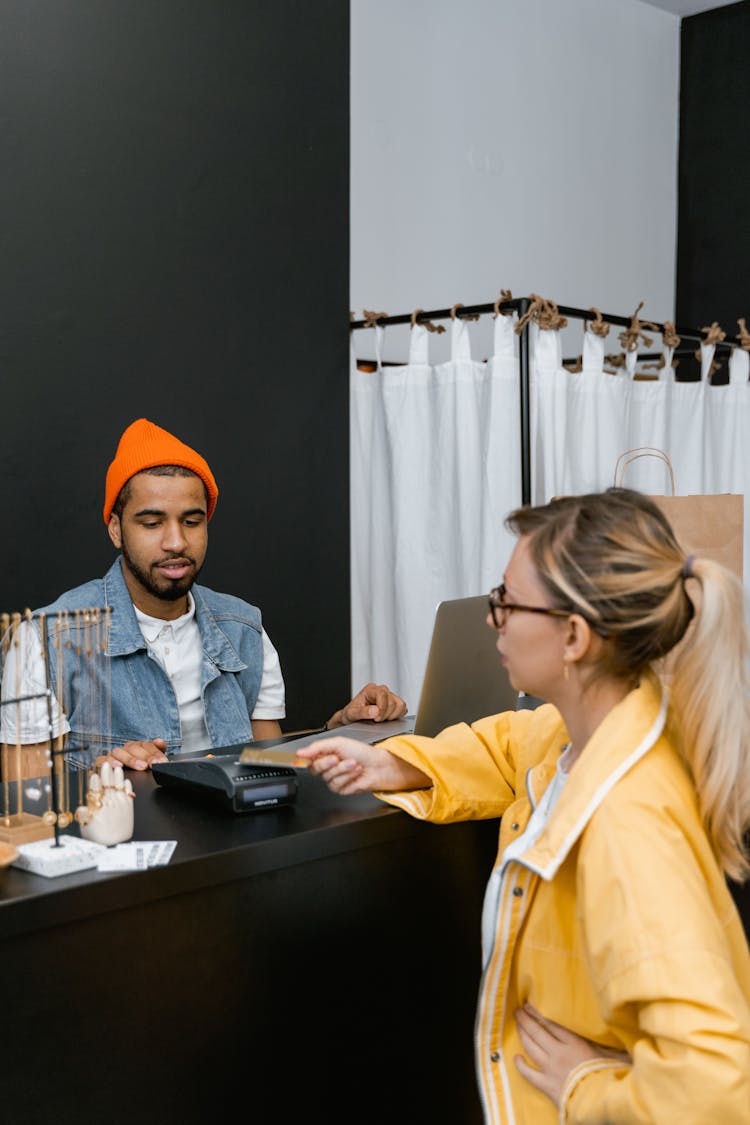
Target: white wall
column 528, row 145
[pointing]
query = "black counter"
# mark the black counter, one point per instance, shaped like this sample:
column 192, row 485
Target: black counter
column 322, row 957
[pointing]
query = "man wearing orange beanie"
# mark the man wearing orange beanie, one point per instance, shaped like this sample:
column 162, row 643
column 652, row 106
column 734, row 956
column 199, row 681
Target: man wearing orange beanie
column 186, row 668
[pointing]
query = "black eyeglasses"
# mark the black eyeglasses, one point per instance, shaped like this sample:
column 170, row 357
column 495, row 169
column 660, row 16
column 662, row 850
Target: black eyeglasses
column 500, row 609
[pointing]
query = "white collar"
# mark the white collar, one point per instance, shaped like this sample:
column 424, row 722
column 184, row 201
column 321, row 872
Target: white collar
column 151, row 627
column 562, row 761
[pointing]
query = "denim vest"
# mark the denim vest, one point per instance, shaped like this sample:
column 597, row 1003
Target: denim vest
column 128, row 695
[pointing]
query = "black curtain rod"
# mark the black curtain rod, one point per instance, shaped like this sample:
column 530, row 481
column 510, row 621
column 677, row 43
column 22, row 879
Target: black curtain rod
column 515, row 303
column 643, row 357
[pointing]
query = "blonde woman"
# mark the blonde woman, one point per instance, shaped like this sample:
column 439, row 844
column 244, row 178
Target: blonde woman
column 616, row 974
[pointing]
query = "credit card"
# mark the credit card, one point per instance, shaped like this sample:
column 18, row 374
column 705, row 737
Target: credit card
column 272, row 758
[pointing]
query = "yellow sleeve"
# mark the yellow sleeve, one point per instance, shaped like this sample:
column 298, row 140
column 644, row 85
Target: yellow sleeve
column 474, row 769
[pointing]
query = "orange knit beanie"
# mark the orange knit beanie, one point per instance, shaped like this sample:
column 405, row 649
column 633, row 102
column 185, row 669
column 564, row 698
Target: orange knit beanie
column 143, row 446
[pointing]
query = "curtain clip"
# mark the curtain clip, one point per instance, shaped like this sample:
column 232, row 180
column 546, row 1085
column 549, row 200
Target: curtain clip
column 505, row 295
column 466, row 316
column 372, row 318
column 426, row 323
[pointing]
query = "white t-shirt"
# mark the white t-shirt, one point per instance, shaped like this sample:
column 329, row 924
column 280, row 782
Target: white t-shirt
column 175, row 644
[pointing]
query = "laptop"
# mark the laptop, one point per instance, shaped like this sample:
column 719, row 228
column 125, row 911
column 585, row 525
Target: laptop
column 463, row 681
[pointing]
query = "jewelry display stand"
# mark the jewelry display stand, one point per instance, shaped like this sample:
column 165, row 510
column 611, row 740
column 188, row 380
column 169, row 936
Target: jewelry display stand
column 38, row 771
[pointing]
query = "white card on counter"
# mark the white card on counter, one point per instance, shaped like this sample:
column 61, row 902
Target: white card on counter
column 137, row 855
column 159, row 852
column 123, row 857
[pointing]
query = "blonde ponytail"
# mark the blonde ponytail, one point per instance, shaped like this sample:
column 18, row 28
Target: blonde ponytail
column 710, row 693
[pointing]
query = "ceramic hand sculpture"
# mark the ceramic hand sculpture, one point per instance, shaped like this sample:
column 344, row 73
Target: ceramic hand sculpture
column 107, row 816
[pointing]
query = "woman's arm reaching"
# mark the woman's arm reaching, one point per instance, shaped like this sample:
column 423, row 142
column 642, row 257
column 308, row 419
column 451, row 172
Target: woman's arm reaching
column 348, row 766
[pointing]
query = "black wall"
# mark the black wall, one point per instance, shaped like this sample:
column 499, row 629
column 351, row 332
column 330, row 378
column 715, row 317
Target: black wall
column 713, row 245
column 174, row 244
column 714, row 219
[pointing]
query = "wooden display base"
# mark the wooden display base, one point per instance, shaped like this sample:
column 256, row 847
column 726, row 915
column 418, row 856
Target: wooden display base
column 28, row 761
column 22, row 828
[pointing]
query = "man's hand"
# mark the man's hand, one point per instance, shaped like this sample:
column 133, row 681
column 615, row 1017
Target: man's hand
column 374, row 701
column 136, row 755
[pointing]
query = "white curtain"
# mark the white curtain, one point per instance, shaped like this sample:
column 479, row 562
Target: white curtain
column 436, row 466
column 581, row 422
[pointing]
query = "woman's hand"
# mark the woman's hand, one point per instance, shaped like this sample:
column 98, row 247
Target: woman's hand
column 348, row 766
column 555, row 1051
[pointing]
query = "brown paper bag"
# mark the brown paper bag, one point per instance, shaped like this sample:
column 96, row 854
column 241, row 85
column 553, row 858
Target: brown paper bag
column 709, row 526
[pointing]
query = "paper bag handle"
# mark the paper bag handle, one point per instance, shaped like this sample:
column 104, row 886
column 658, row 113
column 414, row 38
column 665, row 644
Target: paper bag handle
column 641, row 451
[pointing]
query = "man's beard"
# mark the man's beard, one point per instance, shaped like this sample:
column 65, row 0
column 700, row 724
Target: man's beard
column 173, row 590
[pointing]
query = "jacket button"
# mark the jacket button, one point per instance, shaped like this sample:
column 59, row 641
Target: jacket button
column 515, row 825
column 518, row 891
column 495, row 1056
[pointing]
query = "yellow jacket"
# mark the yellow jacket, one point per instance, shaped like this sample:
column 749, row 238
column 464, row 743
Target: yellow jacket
column 617, row 922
